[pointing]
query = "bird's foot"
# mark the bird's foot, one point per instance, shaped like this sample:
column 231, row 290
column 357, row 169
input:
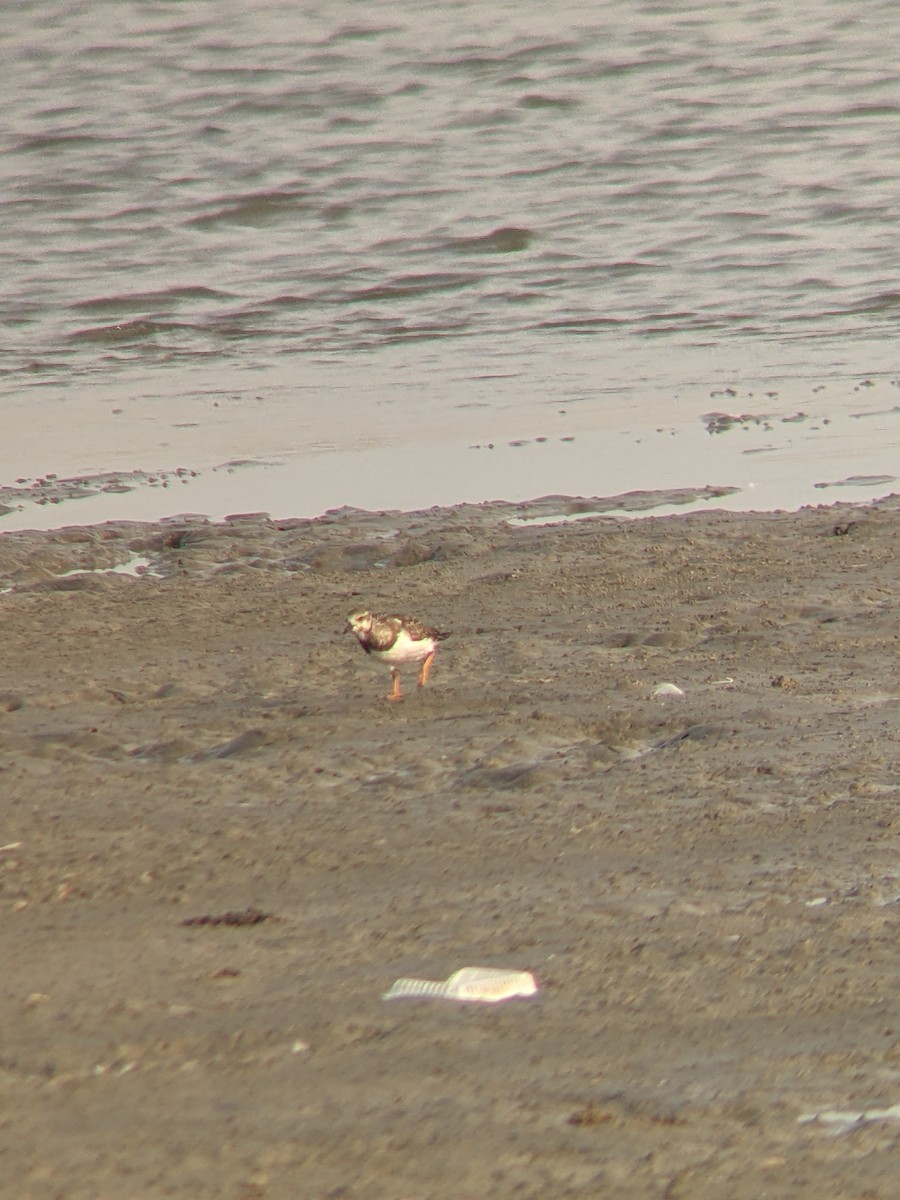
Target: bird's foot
column 426, row 669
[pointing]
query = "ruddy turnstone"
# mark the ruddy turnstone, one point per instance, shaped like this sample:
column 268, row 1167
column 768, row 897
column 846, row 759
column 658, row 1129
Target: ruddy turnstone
column 396, row 640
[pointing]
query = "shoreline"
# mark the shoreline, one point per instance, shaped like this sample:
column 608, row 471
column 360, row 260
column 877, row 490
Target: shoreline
column 751, row 451
column 390, row 538
column 50, row 503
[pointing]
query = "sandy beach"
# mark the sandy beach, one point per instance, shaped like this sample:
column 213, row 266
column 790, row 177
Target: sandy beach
column 221, row 846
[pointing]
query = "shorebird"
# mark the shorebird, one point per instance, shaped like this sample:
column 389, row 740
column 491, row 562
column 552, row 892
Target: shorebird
column 396, row 640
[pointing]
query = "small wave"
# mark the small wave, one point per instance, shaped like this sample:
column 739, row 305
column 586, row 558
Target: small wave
column 356, row 33
column 882, row 303
column 539, row 100
column 483, row 118
column 413, row 285
column 393, row 335
column 143, row 300
column 582, row 324
column 506, row 240
column 872, row 110
column 478, row 61
column 549, row 168
column 126, row 331
column 40, row 143
column 285, row 302
column 258, row 208
column 630, row 266
column 879, row 303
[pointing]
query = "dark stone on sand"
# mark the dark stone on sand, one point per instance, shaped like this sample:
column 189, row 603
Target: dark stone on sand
column 247, row 916
column 695, row 733
column 167, row 751
column 251, row 739
column 622, row 639
column 522, row 775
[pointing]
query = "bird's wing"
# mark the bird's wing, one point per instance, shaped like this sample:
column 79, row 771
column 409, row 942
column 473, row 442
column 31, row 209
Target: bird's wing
column 419, row 632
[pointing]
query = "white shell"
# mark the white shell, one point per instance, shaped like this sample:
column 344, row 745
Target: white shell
column 667, row 689
column 486, row 984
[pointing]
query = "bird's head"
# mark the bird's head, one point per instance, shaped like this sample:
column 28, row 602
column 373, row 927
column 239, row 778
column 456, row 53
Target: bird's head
column 360, row 623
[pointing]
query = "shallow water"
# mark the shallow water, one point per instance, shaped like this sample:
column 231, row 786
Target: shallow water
column 277, row 232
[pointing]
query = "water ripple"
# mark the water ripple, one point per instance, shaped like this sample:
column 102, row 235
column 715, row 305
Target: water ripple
column 262, row 182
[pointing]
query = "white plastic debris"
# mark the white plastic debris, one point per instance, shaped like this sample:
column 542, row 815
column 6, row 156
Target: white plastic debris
column 667, row 689
column 842, row 1122
column 485, row 984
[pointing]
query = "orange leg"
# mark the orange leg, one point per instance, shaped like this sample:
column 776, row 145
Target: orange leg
column 396, row 691
column 426, row 669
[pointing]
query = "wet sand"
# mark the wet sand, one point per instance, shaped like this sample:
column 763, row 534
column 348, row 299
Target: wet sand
column 751, row 449
column 220, row 847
